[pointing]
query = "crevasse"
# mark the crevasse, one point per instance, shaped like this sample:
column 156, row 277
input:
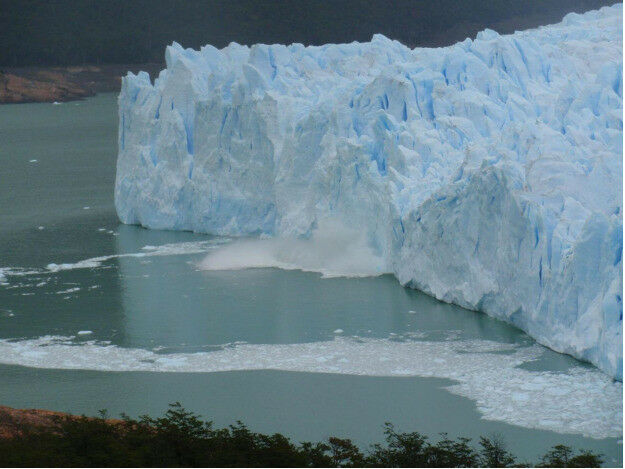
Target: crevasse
column 487, row 174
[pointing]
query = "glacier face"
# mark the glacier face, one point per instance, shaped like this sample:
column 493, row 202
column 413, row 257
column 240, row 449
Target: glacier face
column 487, row 173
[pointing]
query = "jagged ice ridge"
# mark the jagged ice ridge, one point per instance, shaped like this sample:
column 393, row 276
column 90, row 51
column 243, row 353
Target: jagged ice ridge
column 487, row 174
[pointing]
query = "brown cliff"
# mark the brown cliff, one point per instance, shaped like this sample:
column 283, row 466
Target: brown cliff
column 40, row 84
column 16, row 422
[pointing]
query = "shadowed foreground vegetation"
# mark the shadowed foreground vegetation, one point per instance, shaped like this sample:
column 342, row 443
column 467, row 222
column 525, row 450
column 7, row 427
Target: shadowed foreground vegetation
column 182, row 439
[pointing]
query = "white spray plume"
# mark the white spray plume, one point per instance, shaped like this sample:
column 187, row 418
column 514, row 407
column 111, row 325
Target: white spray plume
column 333, row 250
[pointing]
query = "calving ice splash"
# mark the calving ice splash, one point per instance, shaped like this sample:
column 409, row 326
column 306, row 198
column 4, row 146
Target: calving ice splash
column 487, row 173
column 332, row 250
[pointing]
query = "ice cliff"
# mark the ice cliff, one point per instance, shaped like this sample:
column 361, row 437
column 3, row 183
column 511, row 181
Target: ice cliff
column 487, row 174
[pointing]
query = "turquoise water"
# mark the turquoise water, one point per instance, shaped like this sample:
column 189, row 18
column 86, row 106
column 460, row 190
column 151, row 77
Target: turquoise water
column 148, row 295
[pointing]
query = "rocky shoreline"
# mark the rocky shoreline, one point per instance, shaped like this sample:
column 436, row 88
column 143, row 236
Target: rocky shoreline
column 15, row 423
column 50, row 84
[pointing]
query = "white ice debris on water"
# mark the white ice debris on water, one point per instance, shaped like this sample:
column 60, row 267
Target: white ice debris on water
column 69, row 290
column 487, row 174
column 580, row 400
column 170, row 249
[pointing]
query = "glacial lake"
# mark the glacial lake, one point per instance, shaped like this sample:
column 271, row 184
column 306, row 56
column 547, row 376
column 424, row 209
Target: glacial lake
column 95, row 314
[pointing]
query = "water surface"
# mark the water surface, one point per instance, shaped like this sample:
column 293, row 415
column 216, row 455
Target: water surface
column 144, row 297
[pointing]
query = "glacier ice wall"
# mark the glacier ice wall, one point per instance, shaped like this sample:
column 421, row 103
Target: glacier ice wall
column 487, row 173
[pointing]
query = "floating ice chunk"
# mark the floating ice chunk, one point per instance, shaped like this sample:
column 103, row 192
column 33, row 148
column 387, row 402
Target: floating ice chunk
column 84, row 332
column 338, row 331
column 84, row 264
column 69, row 290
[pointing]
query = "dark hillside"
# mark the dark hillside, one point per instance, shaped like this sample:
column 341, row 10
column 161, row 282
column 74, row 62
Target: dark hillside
column 70, row 32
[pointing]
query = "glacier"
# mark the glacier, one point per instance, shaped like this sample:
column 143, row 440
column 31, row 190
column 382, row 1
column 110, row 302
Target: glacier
column 487, row 173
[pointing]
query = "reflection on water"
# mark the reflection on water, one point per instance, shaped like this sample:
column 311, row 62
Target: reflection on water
column 170, row 302
column 165, row 300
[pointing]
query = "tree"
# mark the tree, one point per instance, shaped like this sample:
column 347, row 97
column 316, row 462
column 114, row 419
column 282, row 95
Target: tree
column 494, row 452
column 586, row 459
column 403, row 450
column 450, row 453
column 560, row 456
column 344, row 453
